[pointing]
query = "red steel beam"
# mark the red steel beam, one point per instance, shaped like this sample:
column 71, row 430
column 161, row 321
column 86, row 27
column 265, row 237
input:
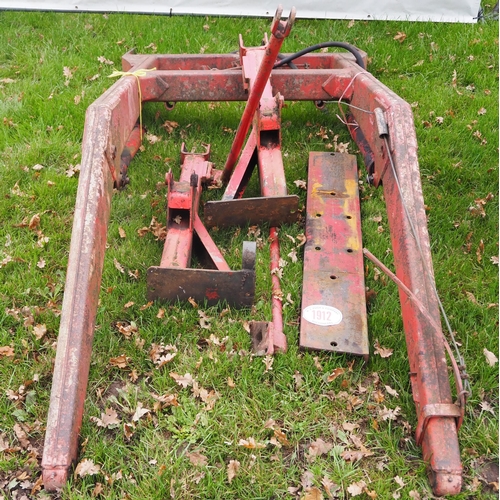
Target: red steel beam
column 108, row 124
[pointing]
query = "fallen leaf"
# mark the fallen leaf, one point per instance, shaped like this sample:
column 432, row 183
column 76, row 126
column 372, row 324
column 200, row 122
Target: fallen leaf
column 331, row 488
column 118, row 266
column 400, row 37
column 140, row 411
column 230, row 383
column 485, row 406
column 39, row 331
column 108, row 420
column 313, row 493
column 197, row 459
column 41, row 263
column 356, row 489
column 6, row 351
column 251, row 444
column 120, row 361
column 122, row 232
column 34, row 222
column 87, row 468
column 388, row 413
column 317, row 364
column 491, row 359
column 232, row 469
column 318, row 448
column 300, row 184
column 391, row 391
column 494, row 260
column 268, row 360
column 383, row 352
column 21, row 435
column 298, row 378
column 184, row 380
column 204, row 320
column 336, row 373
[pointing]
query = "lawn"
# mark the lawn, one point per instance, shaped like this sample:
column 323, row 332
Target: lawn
column 216, row 421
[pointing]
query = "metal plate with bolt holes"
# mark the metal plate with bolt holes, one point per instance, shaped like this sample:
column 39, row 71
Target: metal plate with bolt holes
column 333, row 295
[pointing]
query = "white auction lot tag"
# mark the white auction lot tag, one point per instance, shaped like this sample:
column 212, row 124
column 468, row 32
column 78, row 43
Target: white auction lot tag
column 322, row 315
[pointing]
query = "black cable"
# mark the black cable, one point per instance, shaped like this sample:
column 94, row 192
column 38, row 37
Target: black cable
column 347, row 46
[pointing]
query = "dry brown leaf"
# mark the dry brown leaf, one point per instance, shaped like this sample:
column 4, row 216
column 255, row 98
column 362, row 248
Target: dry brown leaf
column 318, row 448
column 39, row 331
column 122, row 232
column 108, row 420
column 400, row 37
column 317, row 364
column 140, row 411
column 204, row 320
column 383, row 352
column 230, row 383
column 87, row 468
column 349, row 427
column 197, row 459
column 298, row 378
column 336, row 373
column 300, row 184
column 391, row 391
column 98, row 489
column 356, row 489
column 34, row 222
column 313, row 493
column 281, row 437
column 491, row 359
column 120, row 361
column 128, row 430
column 21, row 435
column 184, row 380
column 118, row 266
column 232, row 469
column 251, row 444
column 6, row 351
column 127, row 329
column 389, row 413
column 268, row 361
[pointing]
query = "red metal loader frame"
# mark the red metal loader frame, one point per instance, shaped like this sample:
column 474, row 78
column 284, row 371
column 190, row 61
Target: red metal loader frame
column 382, row 125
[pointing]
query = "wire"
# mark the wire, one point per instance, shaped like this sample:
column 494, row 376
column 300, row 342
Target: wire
column 427, row 271
column 347, row 46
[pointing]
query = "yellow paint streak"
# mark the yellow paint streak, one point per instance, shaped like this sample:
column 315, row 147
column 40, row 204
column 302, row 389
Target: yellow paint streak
column 351, row 189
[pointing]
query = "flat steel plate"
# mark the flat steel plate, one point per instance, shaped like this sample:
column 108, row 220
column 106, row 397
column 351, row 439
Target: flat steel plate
column 237, row 288
column 275, row 210
column 333, row 297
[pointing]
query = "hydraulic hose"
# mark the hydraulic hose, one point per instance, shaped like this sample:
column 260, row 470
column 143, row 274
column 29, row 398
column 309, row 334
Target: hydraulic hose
column 347, row 46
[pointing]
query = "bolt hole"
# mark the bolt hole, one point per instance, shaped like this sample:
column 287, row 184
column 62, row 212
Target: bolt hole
column 317, row 248
column 348, row 216
column 333, row 193
column 333, row 344
column 350, row 250
column 318, row 215
column 333, row 277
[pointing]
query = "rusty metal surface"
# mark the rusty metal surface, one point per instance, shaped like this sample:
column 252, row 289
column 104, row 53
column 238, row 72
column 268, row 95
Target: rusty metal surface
column 108, row 124
column 237, row 288
column 274, row 210
column 333, row 294
column 257, row 67
column 426, row 352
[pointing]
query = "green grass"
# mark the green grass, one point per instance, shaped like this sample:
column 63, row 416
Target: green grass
column 41, row 124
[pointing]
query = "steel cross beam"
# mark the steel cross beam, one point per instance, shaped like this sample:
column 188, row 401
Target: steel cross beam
column 216, row 77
